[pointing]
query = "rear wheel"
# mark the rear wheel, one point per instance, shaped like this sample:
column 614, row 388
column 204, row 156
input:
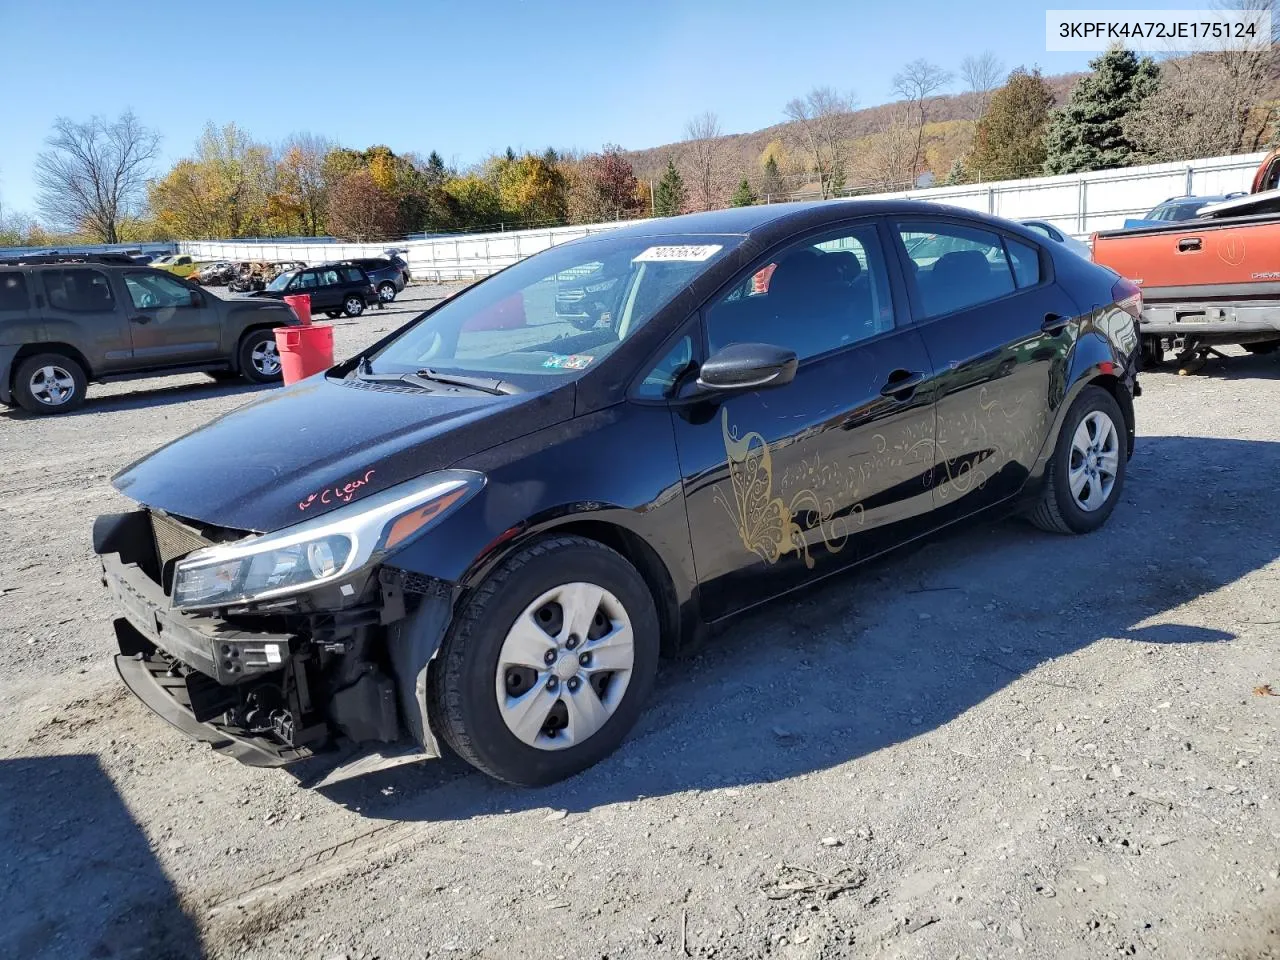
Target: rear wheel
column 260, row 357
column 1086, row 473
column 49, row 383
column 353, row 306
column 549, row 663
column 386, row 291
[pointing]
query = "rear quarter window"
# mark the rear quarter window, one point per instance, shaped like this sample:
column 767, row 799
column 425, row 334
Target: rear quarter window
column 13, row 291
column 353, row 275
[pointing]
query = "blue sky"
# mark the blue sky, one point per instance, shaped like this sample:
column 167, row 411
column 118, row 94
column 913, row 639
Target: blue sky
column 471, row 78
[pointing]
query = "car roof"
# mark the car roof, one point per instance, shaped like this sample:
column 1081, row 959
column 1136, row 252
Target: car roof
column 747, row 220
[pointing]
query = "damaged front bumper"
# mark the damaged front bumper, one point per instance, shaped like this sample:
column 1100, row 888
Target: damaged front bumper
column 271, row 689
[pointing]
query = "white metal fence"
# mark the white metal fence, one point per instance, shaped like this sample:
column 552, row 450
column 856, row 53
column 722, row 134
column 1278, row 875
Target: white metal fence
column 1076, row 203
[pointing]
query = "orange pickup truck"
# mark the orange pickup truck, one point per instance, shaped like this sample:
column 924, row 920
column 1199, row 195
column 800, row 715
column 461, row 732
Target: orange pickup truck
column 1208, row 281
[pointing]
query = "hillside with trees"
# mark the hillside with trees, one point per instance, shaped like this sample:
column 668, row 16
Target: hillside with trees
column 979, row 122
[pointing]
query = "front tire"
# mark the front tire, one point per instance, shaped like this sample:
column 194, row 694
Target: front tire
column 549, row 663
column 386, row 292
column 1085, row 476
column 260, row 357
column 353, row 306
column 49, row 383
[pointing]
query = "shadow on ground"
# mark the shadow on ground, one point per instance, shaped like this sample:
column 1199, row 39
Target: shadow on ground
column 82, row 884
column 909, row 643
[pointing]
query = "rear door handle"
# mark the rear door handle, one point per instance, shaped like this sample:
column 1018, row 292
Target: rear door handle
column 141, row 319
column 901, row 384
column 1054, row 323
column 1188, row 244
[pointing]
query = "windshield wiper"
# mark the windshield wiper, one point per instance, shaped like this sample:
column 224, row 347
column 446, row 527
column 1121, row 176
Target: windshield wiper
column 499, row 388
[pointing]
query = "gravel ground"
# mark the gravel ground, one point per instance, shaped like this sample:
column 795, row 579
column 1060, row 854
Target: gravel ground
column 1002, row 743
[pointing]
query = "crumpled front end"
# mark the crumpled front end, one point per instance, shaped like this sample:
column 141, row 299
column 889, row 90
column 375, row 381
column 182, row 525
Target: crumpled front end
column 279, row 680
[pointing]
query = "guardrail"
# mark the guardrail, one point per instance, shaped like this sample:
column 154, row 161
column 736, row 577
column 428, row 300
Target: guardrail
column 1078, row 204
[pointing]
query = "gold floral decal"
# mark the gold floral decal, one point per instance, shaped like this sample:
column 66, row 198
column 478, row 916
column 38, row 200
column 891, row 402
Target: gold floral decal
column 766, row 524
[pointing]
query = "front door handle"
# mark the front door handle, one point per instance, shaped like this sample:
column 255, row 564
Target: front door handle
column 1054, row 323
column 1188, row 244
column 901, row 384
column 141, row 320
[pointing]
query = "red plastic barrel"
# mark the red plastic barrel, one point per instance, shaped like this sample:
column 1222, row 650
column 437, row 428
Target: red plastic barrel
column 301, row 304
column 304, row 350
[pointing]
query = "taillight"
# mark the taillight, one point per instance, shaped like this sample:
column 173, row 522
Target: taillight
column 1127, row 295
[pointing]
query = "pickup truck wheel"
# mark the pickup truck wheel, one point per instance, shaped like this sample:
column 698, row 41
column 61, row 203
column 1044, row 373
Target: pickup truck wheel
column 259, row 357
column 49, row 383
column 548, row 664
column 353, row 306
column 1152, row 353
column 1086, row 473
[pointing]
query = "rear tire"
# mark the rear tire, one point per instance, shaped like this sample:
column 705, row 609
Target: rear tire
column 49, row 383
column 259, row 357
column 386, row 292
column 472, row 698
column 1082, row 487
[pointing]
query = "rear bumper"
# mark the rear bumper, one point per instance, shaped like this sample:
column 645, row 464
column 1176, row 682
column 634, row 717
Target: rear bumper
column 1221, row 322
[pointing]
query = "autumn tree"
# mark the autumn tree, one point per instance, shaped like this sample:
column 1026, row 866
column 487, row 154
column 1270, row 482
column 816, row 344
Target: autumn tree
column 1010, row 137
column 93, row 175
column 669, row 196
column 602, row 187
column 918, row 83
column 886, row 158
column 706, row 160
column 360, row 209
column 817, row 129
column 222, row 191
column 1088, row 132
column 532, row 191
column 477, row 204
column 300, row 189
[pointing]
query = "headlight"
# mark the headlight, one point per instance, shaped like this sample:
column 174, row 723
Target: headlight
column 322, row 549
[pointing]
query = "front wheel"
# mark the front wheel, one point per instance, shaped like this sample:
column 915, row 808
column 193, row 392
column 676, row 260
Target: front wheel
column 260, row 357
column 353, row 307
column 548, row 664
column 386, row 291
column 1086, row 473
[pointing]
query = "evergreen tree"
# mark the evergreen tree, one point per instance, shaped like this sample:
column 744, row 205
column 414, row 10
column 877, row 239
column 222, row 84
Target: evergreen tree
column 837, row 183
column 771, row 186
column 744, row 196
column 958, row 173
column 1087, row 133
column 435, row 173
column 510, row 155
column 669, row 197
column 551, row 156
column 1010, row 138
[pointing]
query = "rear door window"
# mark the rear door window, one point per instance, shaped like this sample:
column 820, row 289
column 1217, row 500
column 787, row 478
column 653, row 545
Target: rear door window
column 13, row 291
column 955, row 267
column 78, row 290
column 329, row 277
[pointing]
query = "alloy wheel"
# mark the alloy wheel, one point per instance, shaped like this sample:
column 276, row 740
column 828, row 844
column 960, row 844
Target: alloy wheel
column 564, row 666
column 52, row 385
column 1095, row 458
column 355, row 306
column 266, row 358
column 386, row 293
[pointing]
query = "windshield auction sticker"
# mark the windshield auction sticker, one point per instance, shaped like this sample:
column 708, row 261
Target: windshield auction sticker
column 1159, row 31
column 685, row 253
column 572, row 361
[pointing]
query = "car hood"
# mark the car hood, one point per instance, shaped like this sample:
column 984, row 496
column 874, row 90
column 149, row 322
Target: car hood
column 322, row 443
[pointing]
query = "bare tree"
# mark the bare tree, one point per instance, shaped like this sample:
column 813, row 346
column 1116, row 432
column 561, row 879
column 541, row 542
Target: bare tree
column 981, row 75
column 885, row 161
column 706, row 159
column 817, row 130
column 917, row 83
column 93, row 175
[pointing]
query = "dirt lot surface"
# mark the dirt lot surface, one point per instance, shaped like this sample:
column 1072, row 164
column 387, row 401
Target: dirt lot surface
column 1003, row 743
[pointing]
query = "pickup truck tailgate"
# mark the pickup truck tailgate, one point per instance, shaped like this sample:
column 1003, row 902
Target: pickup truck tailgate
column 1239, row 258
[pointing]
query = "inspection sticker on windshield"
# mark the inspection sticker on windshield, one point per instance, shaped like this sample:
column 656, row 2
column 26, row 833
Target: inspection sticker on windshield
column 685, row 253
column 571, row 361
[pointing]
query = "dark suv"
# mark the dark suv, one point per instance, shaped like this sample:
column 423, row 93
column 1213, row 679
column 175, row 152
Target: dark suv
column 389, row 275
column 67, row 320
column 336, row 289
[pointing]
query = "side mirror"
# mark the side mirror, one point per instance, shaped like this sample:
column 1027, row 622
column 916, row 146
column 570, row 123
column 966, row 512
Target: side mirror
column 748, row 366
column 196, row 299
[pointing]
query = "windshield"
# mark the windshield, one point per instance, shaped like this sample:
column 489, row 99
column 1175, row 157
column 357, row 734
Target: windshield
column 557, row 313
column 280, row 282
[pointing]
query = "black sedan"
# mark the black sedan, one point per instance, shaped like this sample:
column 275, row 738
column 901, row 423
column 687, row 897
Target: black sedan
column 485, row 528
